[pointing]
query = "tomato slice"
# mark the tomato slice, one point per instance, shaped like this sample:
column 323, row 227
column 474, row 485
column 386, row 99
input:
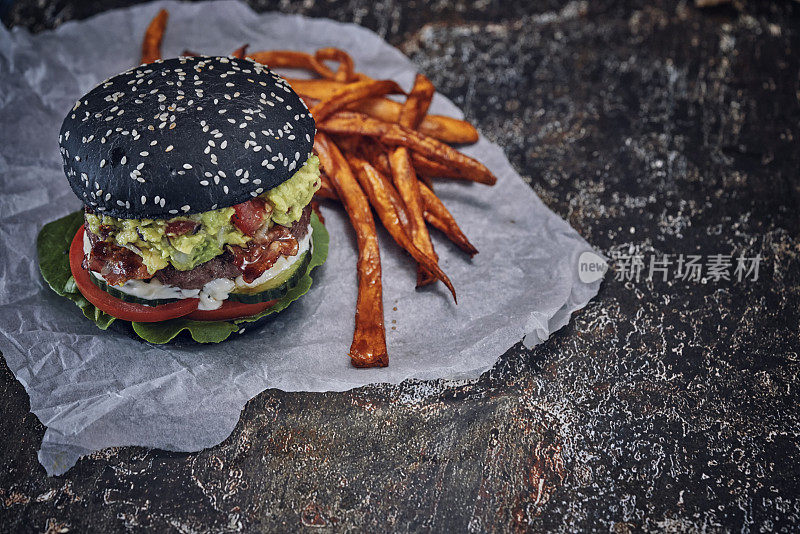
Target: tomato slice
column 230, row 309
column 127, row 311
column 249, row 216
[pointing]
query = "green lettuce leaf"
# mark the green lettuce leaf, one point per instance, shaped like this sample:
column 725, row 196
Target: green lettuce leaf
column 53, row 245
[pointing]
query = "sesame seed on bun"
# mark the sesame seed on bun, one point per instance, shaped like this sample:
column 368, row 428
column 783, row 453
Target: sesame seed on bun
column 184, row 135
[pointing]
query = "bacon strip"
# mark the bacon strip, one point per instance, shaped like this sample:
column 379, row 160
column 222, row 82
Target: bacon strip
column 180, row 227
column 116, row 264
column 257, row 257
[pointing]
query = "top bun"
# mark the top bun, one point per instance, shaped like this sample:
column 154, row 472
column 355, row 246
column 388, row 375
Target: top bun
column 184, row 135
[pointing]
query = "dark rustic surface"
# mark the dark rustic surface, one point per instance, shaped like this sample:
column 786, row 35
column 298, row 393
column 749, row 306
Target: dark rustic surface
column 662, row 406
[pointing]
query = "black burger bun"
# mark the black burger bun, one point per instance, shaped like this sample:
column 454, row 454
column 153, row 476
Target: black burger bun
column 184, row 135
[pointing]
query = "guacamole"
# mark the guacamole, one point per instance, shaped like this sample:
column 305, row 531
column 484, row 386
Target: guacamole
column 214, row 228
column 148, row 237
column 289, row 198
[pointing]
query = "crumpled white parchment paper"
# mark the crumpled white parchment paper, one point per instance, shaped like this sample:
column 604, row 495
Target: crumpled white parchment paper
column 96, row 389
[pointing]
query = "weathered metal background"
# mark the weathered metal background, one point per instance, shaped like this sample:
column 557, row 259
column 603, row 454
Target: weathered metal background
column 662, row 406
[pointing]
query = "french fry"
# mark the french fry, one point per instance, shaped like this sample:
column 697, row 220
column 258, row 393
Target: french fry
column 151, row 45
column 377, row 189
column 240, row 52
column 448, row 130
column 405, row 177
column 469, row 168
column 425, row 180
column 459, row 239
column 368, row 348
column 397, row 203
column 445, row 129
column 318, row 88
column 291, row 60
column 378, row 155
column 438, row 216
column 416, row 105
column 349, row 143
column 326, row 189
column 346, row 70
column 405, row 180
column 315, row 209
column 435, row 213
column 428, row 167
column 358, row 151
column 353, row 92
column 349, row 122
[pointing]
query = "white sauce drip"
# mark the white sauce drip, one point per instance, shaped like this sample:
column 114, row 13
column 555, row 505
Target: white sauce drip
column 215, row 292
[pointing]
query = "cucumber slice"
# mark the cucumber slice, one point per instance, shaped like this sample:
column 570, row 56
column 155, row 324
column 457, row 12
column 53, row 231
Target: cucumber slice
column 121, row 295
column 274, row 288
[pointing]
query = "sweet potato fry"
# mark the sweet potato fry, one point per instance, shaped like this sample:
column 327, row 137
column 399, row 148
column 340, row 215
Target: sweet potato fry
column 469, row 168
column 376, row 153
column 438, row 216
column 449, row 130
column 291, row 60
column 349, row 122
column 434, row 212
column 358, row 151
column 353, row 92
column 397, row 203
column 428, row 167
column 151, row 45
column 405, row 177
column 416, row 105
column 326, row 189
column 457, row 237
column 346, row 71
column 315, row 209
column 425, row 180
column 368, row 348
column 377, row 189
column 240, row 52
column 318, row 88
column 405, row 180
column 348, row 143
column 445, row 129
column 189, row 53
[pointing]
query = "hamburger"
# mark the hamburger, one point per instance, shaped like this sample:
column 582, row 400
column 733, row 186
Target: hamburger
column 196, row 175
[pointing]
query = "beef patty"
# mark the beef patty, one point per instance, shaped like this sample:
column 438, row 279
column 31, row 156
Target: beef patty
column 222, row 266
